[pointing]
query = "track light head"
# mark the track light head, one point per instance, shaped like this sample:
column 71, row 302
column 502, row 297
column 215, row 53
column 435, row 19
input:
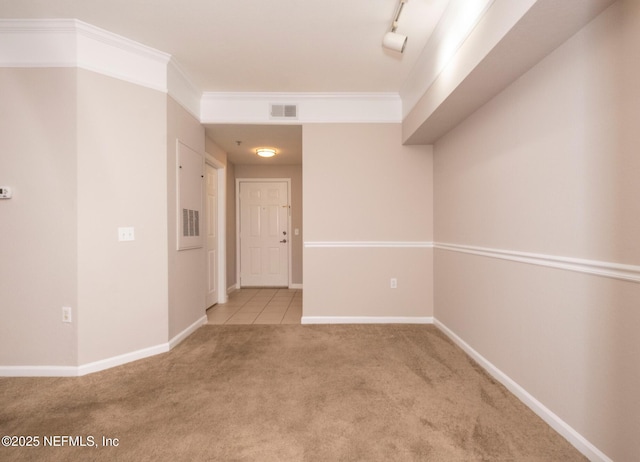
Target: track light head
column 394, row 41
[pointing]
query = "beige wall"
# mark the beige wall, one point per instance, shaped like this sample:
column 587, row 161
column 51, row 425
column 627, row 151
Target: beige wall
column 122, row 286
column 215, row 151
column 231, row 227
column 361, row 185
column 551, row 166
column 38, row 255
column 187, row 269
column 86, row 157
column 282, row 171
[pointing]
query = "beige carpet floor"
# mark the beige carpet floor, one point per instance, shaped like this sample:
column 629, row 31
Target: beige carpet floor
column 283, row 393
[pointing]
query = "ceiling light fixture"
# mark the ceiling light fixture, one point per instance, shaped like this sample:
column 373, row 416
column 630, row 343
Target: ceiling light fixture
column 392, row 40
column 266, row 152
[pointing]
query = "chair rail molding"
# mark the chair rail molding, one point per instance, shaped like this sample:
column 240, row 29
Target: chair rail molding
column 368, row 244
column 619, row 271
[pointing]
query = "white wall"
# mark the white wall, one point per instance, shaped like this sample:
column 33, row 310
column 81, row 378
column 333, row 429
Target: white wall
column 550, row 167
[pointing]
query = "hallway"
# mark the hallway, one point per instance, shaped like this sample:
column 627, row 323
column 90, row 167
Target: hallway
column 259, row 306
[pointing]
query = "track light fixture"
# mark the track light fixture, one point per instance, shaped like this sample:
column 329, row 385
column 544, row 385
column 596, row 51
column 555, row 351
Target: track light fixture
column 392, row 40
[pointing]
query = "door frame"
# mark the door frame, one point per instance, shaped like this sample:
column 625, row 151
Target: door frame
column 221, row 171
column 263, row 180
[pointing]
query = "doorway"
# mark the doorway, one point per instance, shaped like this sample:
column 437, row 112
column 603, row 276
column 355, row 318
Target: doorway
column 263, row 224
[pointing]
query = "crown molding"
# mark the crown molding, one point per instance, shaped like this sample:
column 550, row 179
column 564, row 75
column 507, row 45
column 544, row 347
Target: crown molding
column 251, row 95
column 38, row 43
column 119, row 57
column 253, row 107
column 182, row 89
column 43, row 43
column 73, row 43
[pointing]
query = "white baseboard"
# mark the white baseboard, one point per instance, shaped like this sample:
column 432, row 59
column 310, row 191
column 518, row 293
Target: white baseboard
column 232, row 288
column 295, row 286
column 38, row 371
column 119, row 360
column 555, row 422
column 187, row 332
column 76, row 371
column 367, row 320
column 103, row 364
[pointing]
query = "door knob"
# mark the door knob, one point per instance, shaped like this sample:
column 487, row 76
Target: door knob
column 283, row 241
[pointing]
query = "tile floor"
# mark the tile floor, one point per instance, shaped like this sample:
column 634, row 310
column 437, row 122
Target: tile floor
column 259, row 306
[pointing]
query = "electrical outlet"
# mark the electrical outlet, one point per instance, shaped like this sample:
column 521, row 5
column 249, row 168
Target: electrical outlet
column 126, row 234
column 5, row 192
column 66, row 314
column 394, row 283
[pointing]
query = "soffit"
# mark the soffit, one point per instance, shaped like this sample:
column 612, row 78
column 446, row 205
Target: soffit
column 544, row 27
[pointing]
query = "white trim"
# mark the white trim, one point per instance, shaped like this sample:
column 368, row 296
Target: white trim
column 73, row 43
column 119, row 360
column 38, row 371
column 599, row 268
column 38, row 43
column 222, row 224
column 368, row 244
column 103, row 364
column 251, row 107
column 555, row 422
column 73, row 371
column 187, row 332
column 116, row 56
column 295, row 286
column 367, row 320
column 232, row 288
column 180, row 88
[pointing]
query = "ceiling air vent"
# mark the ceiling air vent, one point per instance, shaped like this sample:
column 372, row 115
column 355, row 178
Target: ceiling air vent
column 284, row 111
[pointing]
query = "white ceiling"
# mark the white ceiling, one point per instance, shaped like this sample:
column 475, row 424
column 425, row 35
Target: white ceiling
column 262, row 46
column 286, row 139
column 331, row 46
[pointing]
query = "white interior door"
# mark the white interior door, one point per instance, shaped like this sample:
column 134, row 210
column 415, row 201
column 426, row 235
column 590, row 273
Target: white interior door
column 212, row 235
column 264, row 239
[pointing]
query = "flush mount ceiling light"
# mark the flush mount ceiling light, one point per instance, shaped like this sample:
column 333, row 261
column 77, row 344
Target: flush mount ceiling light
column 266, row 152
column 392, row 40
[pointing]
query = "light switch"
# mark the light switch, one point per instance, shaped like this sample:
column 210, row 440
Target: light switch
column 126, row 234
